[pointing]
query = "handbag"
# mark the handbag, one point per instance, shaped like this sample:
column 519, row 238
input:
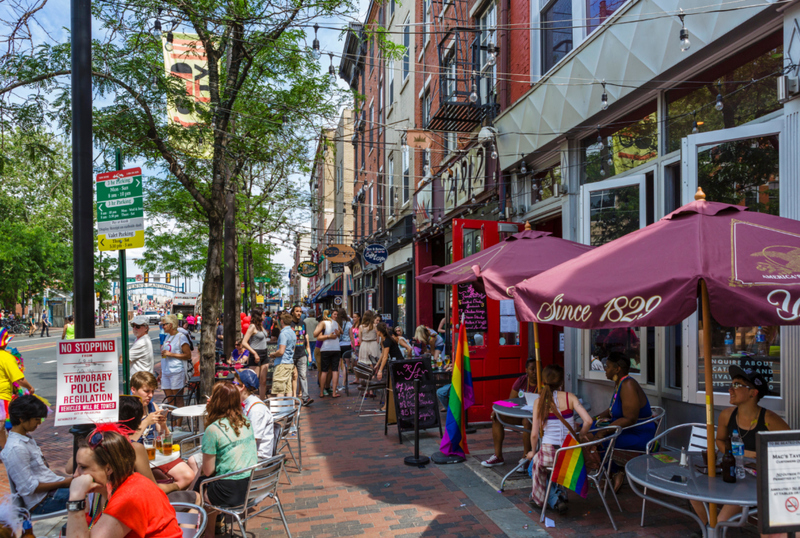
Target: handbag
column 591, row 456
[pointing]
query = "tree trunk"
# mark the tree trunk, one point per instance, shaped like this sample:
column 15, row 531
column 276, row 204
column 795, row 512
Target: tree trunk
column 212, row 286
column 231, row 288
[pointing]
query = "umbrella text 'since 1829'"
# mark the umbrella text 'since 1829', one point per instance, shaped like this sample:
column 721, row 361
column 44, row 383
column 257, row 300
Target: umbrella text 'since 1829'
column 507, row 263
column 652, row 278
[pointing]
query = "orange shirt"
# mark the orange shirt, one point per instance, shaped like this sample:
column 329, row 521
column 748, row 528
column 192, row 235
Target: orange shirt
column 142, row 507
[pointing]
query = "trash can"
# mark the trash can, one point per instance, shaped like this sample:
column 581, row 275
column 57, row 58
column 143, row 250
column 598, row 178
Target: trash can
column 105, row 324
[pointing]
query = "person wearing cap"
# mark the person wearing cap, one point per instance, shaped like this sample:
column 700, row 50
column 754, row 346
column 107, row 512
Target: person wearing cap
column 256, row 411
column 747, row 388
column 141, row 353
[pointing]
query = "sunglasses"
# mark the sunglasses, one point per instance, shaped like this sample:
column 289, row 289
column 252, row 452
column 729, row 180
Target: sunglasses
column 737, row 385
column 96, row 440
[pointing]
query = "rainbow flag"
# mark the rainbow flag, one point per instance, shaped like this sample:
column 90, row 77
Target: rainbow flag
column 462, row 396
column 570, row 469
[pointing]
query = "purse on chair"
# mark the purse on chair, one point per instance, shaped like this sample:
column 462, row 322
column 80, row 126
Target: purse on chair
column 591, row 456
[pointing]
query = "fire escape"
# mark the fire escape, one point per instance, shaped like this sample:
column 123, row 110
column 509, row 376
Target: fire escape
column 461, row 105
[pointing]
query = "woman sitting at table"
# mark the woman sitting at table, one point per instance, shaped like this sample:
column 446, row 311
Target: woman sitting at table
column 525, row 383
column 240, row 356
column 106, row 464
column 629, row 404
column 746, row 390
column 545, row 422
column 228, row 445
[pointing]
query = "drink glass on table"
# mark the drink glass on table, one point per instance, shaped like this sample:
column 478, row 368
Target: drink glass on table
column 166, row 443
column 151, row 450
column 158, row 444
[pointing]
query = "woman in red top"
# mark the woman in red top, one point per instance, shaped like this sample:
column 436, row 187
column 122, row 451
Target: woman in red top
column 136, row 507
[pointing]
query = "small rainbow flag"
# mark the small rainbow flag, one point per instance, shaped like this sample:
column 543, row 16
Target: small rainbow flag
column 570, row 469
column 462, row 396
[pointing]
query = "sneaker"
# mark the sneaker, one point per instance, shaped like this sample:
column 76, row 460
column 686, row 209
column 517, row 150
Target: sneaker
column 523, row 468
column 328, row 392
column 307, row 402
column 561, row 506
column 494, row 461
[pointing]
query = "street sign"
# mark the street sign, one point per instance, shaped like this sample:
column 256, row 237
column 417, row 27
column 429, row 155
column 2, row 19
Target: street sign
column 130, row 280
column 120, row 211
column 261, row 279
column 337, row 300
column 259, row 299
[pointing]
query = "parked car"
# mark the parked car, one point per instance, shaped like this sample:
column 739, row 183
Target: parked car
column 154, row 318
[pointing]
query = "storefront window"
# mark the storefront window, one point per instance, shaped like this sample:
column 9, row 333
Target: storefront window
column 746, row 83
column 743, row 172
column 509, row 326
column 473, row 241
column 617, row 150
column 543, row 181
column 401, row 301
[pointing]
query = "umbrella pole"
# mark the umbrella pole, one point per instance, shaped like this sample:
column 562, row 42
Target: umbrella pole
column 538, row 358
column 711, row 441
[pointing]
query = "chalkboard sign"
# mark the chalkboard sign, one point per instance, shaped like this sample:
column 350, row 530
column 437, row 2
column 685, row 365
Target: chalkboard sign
column 402, row 375
column 472, row 305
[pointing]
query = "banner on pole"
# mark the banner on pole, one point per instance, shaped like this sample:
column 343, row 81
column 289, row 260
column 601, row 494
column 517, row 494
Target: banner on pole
column 87, row 390
column 186, row 59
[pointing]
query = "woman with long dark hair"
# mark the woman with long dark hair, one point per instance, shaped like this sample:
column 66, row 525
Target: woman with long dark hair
column 390, row 347
column 255, row 341
column 551, row 403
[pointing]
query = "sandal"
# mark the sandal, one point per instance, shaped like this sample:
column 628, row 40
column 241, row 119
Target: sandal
column 617, row 480
column 335, row 395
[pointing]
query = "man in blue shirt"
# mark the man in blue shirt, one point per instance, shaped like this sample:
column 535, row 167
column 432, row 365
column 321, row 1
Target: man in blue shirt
column 284, row 358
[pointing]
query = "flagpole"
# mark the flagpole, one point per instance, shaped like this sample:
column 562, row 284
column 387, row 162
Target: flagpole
column 538, row 358
column 454, row 432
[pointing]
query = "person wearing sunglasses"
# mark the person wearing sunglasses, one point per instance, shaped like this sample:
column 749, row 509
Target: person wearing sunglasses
column 135, row 505
column 41, row 490
column 141, row 353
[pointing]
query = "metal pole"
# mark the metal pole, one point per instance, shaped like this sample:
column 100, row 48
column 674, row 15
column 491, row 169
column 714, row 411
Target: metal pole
column 416, row 459
column 123, row 304
column 82, row 188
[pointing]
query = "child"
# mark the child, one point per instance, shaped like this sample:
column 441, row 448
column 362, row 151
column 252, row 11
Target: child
column 257, row 412
column 143, row 385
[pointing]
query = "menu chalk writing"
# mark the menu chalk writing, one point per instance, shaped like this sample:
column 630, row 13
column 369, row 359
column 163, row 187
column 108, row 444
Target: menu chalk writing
column 472, row 305
column 403, row 374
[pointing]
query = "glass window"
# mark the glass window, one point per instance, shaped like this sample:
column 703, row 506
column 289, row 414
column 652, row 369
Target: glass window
column 600, row 10
column 556, row 21
column 613, row 152
column 426, row 21
column 543, row 181
column 401, row 301
column 390, row 184
column 426, row 108
column 450, row 77
column 743, row 172
column 407, row 45
column 509, row 326
column 747, row 85
column 390, row 76
column 487, row 23
column 406, row 173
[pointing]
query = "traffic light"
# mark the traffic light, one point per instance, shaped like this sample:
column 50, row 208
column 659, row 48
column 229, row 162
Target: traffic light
column 169, row 277
column 147, row 278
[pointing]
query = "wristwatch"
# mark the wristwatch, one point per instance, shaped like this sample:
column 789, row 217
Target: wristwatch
column 76, row 506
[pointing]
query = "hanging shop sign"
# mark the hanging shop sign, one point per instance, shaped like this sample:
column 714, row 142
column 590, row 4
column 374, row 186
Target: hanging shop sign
column 337, row 268
column 465, row 179
column 375, row 253
column 340, row 253
column 307, row 269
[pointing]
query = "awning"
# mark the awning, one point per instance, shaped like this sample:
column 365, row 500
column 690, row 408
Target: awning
column 334, row 288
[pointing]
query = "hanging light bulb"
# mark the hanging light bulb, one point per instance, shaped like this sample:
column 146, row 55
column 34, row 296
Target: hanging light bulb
column 523, row 169
column 720, row 105
column 154, row 84
column 600, row 145
column 426, row 168
column 157, row 28
column 168, row 45
column 610, row 161
column 494, row 152
column 332, row 70
column 694, row 123
column 604, row 98
column 473, row 97
column 473, row 200
column 602, row 172
column 315, row 52
column 491, row 60
column 684, row 34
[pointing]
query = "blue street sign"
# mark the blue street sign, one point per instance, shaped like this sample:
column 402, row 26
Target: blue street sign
column 375, row 253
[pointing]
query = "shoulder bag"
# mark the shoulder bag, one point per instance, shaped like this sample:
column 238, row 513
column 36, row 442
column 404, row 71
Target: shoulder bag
column 591, row 457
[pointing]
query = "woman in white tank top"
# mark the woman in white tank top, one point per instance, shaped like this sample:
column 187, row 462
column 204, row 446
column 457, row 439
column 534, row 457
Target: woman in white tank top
column 545, row 422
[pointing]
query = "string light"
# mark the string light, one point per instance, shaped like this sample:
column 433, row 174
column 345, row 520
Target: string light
column 604, row 99
column 473, row 97
column 315, row 52
column 684, row 33
column 157, row 28
column 492, row 59
column 720, row 105
column 168, row 45
column 694, row 123
column 522, row 168
column 494, row 152
column 154, row 84
column 331, row 69
column 600, row 144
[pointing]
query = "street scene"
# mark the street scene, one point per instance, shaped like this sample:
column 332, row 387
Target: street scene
column 443, row 268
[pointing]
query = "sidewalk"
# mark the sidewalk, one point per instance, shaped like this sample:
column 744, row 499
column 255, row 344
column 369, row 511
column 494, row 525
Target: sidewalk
column 354, row 483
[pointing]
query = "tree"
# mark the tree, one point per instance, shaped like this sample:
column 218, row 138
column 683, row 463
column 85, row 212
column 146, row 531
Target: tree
column 262, row 84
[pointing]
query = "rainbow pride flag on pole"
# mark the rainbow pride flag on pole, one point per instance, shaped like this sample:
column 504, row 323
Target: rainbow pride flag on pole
column 462, row 396
column 570, row 469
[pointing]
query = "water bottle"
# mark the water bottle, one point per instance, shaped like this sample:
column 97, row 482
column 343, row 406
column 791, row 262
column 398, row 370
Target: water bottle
column 737, row 446
column 761, row 343
column 728, row 345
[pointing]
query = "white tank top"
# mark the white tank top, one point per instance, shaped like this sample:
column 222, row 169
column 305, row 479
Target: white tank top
column 554, row 430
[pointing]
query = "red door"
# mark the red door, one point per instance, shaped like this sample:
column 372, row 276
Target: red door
column 501, row 353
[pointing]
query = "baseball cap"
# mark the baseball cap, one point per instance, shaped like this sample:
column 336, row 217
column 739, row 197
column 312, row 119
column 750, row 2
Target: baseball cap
column 140, row 320
column 249, row 379
column 752, row 376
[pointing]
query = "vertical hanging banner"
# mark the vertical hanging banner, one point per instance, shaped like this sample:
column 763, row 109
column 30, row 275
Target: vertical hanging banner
column 185, row 58
column 87, row 389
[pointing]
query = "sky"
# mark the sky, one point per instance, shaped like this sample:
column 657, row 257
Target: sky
column 54, row 18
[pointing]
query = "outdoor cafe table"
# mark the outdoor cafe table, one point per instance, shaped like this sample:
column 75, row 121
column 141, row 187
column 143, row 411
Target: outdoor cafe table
column 161, row 459
column 501, row 412
column 191, row 412
column 655, row 475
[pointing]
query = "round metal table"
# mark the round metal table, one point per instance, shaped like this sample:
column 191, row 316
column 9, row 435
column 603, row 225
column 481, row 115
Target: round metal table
column 501, row 412
column 161, row 459
column 669, row 478
column 191, row 412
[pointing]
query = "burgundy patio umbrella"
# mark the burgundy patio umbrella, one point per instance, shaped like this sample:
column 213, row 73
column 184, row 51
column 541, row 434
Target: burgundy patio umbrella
column 745, row 266
column 507, row 263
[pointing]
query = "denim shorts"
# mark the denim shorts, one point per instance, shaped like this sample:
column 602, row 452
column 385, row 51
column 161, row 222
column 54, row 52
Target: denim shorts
column 55, row 501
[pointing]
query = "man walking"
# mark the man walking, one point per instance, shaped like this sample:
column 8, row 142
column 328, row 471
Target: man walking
column 302, row 350
column 45, row 324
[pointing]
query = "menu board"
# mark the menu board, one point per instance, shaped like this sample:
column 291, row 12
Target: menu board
column 403, row 374
column 472, row 305
column 778, row 476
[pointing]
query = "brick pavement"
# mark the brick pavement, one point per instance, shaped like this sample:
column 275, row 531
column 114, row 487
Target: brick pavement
column 354, row 483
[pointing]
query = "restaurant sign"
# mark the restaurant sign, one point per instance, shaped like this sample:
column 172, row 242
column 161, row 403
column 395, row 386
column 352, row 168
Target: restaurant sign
column 465, row 178
column 339, row 253
column 307, row 269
